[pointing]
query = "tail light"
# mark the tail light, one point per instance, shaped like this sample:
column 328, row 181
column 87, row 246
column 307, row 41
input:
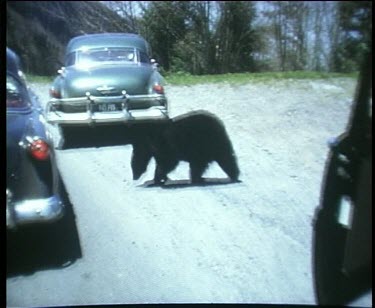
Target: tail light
column 39, row 149
column 158, row 89
column 54, row 93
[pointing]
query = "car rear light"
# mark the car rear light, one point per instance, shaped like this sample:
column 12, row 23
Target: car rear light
column 54, row 93
column 39, row 149
column 158, row 89
column 16, row 103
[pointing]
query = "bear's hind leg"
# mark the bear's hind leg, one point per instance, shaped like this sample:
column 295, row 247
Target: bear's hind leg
column 229, row 166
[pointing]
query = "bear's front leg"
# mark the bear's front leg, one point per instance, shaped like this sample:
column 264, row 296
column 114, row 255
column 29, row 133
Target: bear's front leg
column 160, row 176
column 164, row 165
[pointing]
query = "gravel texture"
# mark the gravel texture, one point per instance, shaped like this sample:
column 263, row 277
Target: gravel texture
column 247, row 242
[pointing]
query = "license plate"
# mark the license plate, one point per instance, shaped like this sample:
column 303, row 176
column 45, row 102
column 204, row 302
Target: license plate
column 108, row 107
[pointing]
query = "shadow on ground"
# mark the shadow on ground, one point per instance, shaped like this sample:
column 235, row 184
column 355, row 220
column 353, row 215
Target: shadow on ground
column 96, row 136
column 46, row 246
column 186, row 183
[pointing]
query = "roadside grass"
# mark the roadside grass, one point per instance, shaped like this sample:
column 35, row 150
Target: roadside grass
column 39, row 79
column 235, row 78
column 242, row 78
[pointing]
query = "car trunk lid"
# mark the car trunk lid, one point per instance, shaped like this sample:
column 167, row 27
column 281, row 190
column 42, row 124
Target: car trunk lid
column 107, row 80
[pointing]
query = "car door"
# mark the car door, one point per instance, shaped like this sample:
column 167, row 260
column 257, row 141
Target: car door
column 342, row 243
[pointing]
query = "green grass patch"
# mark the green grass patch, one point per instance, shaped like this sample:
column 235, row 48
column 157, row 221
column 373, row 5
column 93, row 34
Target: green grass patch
column 242, row 78
column 236, row 78
column 39, row 79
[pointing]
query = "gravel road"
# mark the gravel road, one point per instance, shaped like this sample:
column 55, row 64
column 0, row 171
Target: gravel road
column 248, row 242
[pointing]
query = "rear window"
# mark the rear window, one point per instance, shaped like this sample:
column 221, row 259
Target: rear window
column 17, row 96
column 106, row 55
column 96, row 56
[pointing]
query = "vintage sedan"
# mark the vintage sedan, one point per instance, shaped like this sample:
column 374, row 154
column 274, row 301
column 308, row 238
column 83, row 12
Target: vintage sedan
column 33, row 181
column 107, row 78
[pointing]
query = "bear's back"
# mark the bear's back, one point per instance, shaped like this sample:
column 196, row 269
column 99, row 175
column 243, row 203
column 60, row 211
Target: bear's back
column 197, row 134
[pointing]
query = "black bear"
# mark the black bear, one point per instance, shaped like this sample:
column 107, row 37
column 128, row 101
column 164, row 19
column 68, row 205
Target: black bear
column 198, row 137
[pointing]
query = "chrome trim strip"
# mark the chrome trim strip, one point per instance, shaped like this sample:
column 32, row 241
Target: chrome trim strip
column 105, row 99
column 157, row 110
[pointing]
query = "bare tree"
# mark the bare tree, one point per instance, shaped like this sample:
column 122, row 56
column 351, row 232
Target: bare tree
column 235, row 36
column 316, row 59
column 129, row 10
column 289, row 20
column 322, row 33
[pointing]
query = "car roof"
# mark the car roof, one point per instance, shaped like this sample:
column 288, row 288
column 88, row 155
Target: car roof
column 108, row 40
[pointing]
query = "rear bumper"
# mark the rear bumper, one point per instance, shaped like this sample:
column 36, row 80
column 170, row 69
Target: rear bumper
column 133, row 108
column 152, row 113
column 33, row 211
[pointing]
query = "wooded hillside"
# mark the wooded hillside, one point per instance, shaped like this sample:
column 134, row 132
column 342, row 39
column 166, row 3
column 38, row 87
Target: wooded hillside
column 39, row 30
column 202, row 37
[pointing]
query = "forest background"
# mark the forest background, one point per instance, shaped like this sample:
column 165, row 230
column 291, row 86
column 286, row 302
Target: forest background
column 201, row 37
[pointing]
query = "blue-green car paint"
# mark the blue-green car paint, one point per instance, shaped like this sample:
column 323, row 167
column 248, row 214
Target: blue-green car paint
column 107, row 77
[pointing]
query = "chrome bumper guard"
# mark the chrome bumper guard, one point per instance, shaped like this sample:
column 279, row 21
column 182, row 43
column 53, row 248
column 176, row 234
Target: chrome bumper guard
column 157, row 109
column 33, row 211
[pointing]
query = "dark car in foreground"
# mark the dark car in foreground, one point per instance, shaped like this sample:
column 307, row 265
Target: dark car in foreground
column 342, row 243
column 33, row 181
column 107, row 78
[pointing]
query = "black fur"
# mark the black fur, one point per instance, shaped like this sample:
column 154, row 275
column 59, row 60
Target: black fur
column 198, row 137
